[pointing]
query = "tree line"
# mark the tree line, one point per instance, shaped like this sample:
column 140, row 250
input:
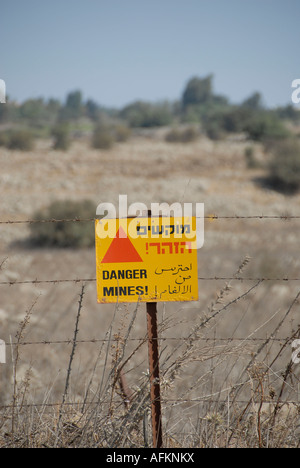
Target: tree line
column 198, row 104
column 199, row 110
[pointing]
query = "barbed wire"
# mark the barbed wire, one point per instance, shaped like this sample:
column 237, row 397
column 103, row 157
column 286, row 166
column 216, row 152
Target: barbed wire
column 51, row 281
column 164, row 402
column 167, row 338
column 210, row 217
column 90, row 280
column 51, row 220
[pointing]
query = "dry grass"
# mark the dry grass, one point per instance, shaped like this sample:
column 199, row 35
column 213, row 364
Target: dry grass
column 227, row 377
column 215, row 393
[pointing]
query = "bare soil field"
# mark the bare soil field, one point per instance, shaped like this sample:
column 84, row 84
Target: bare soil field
column 200, row 375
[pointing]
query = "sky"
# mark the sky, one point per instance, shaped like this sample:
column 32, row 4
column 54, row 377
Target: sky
column 119, row 51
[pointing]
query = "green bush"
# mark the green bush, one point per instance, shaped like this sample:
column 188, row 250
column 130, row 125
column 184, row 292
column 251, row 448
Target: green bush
column 20, row 140
column 214, row 130
column 33, row 112
column 61, row 136
column 284, row 168
column 74, row 234
column 236, row 119
column 73, row 107
column 197, row 91
column 264, row 127
column 253, row 102
column 145, row 114
column 102, row 138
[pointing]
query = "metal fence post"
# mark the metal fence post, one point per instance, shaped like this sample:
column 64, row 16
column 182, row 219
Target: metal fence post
column 154, row 374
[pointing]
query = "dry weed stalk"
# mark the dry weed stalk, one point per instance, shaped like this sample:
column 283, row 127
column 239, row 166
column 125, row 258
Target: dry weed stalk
column 259, row 390
column 16, row 357
column 70, row 362
column 257, row 373
column 3, row 262
column 191, row 343
column 117, row 348
column 213, row 415
column 117, row 365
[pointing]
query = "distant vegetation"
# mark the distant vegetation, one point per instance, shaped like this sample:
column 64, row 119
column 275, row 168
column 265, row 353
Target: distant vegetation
column 61, row 135
column 198, row 111
column 184, row 135
column 20, row 139
column 284, row 167
column 64, row 233
column 197, row 105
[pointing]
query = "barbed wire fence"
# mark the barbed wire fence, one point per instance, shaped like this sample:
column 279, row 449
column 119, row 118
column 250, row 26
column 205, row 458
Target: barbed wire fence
column 209, row 398
column 211, row 217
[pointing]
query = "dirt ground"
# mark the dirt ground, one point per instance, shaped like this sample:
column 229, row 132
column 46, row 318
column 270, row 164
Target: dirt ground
column 147, row 169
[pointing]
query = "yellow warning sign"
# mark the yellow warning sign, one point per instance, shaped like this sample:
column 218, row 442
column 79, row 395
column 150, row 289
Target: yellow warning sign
column 146, row 259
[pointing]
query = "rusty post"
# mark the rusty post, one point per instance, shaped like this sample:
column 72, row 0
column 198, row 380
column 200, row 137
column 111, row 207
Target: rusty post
column 154, row 374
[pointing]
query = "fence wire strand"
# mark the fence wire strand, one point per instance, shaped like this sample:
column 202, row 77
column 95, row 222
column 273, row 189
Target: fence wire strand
column 210, row 217
column 168, row 338
column 90, row 280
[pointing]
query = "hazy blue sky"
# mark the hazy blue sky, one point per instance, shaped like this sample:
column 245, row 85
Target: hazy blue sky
column 117, row 51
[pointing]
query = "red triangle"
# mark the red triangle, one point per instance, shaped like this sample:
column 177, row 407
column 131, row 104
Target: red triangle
column 121, row 250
